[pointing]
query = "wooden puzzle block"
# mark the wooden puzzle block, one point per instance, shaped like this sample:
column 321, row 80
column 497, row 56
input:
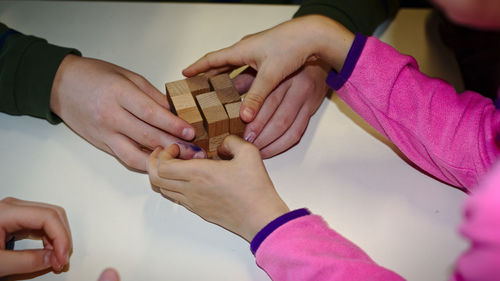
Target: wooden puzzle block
column 201, row 140
column 221, row 81
column 223, row 86
column 183, row 102
column 198, row 85
column 193, row 117
column 186, row 108
column 214, row 142
column 228, row 95
column 176, row 88
column 236, row 125
column 217, row 121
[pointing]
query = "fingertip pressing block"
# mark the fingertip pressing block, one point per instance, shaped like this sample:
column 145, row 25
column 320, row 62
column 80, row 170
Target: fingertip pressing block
column 236, row 125
column 198, row 85
column 217, row 121
column 223, row 86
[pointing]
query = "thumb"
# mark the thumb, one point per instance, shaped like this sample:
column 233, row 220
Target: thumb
column 109, row 274
column 263, row 84
column 25, row 261
column 172, row 151
column 232, row 146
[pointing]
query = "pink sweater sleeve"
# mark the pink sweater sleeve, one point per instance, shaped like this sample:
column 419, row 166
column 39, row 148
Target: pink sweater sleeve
column 306, row 249
column 449, row 135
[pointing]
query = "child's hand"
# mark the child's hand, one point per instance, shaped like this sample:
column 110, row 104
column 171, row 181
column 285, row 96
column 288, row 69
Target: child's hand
column 236, row 194
column 24, row 218
column 117, row 110
column 278, row 52
column 285, row 113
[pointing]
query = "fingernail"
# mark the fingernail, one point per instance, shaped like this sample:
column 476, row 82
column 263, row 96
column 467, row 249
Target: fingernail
column 250, row 137
column 247, row 113
column 188, row 133
column 189, row 146
column 199, row 155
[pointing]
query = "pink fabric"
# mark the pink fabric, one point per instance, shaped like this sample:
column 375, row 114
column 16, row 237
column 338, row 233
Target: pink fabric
column 450, row 135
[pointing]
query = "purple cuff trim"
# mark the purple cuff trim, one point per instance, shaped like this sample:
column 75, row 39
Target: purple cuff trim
column 336, row 80
column 272, row 226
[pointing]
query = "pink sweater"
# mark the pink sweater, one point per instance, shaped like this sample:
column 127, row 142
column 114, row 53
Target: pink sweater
column 449, row 135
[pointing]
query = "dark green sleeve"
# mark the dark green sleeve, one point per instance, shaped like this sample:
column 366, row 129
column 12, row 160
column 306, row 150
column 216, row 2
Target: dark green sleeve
column 27, row 69
column 357, row 15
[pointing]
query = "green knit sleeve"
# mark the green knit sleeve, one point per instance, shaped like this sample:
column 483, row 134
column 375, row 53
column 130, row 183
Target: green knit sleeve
column 357, row 15
column 28, row 66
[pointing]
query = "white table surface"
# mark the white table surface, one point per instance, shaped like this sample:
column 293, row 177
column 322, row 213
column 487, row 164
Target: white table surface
column 341, row 169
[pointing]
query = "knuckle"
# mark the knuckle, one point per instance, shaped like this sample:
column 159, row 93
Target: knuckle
column 249, row 148
column 130, row 161
column 295, row 137
column 284, row 122
column 8, row 200
column 52, row 214
column 148, row 112
column 255, row 99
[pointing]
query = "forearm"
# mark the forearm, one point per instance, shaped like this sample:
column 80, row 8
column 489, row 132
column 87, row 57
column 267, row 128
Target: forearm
column 450, row 135
column 307, row 249
column 27, row 69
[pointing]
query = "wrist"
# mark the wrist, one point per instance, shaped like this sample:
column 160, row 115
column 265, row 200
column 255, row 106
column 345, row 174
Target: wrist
column 260, row 218
column 332, row 41
column 58, row 84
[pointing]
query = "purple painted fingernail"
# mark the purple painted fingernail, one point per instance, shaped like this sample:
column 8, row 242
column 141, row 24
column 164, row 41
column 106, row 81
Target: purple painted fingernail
column 189, row 146
column 250, row 137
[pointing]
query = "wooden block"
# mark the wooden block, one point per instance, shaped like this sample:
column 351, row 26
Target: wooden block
column 202, row 140
column 228, row 95
column 212, row 154
column 221, row 81
column 198, row 85
column 186, row 108
column 179, row 87
column 182, row 102
column 193, row 117
column 217, row 121
column 214, row 142
column 236, row 126
column 224, row 87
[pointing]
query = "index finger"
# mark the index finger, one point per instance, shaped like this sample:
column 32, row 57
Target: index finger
column 224, row 57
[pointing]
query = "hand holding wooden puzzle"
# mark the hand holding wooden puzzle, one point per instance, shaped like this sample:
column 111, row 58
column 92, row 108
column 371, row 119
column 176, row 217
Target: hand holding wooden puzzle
column 210, row 105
